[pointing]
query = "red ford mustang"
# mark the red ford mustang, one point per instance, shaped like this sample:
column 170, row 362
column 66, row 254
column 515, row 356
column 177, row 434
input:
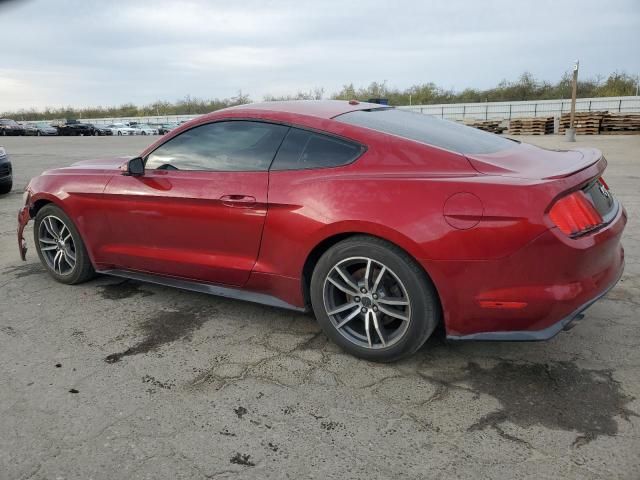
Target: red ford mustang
column 383, row 221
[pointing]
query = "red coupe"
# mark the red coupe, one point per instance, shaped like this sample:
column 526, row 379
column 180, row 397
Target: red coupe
column 382, row 221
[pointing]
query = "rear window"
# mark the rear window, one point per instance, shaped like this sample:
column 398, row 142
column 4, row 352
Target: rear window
column 427, row 129
column 302, row 149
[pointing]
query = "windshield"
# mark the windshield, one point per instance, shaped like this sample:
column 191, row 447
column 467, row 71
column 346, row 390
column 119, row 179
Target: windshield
column 427, row 129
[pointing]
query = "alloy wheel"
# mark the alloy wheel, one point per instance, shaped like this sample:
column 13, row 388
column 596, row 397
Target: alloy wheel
column 57, row 245
column 367, row 302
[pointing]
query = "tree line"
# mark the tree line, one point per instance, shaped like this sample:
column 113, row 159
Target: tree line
column 526, row 87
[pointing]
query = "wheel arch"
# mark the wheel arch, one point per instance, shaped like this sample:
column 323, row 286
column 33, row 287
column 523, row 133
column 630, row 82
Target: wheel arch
column 325, row 244
column 40, row 202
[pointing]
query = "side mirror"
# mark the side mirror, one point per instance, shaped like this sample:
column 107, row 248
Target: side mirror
column 135, row 167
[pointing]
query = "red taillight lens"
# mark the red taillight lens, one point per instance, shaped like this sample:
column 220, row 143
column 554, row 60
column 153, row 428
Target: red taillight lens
column 575, row 214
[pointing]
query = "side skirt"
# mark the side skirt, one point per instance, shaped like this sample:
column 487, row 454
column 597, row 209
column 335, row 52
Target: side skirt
column 207, row 288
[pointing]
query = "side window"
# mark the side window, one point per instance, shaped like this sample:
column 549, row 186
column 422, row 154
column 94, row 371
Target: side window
column 230, row 146
column 302, row 149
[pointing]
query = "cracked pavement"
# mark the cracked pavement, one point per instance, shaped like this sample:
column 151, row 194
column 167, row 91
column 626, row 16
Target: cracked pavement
column 123, row 380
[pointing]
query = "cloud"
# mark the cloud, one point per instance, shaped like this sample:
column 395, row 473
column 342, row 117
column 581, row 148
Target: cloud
column 104, row 53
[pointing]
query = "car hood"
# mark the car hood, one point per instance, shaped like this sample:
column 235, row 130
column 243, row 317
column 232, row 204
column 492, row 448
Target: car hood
column 529, row 161
column 101, row 163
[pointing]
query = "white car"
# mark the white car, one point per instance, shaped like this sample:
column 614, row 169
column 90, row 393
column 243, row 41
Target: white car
column 122, row 129
column 144, row 129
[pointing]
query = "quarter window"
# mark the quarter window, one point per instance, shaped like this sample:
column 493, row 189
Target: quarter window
column 236, row 145
column 302, row 149
column 427, row 129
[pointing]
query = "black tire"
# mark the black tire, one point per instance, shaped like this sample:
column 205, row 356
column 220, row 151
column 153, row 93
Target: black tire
column 6, row 187
column 424, row 306
column 83, row 269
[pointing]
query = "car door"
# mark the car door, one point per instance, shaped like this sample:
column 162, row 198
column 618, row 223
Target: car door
column 199, row 209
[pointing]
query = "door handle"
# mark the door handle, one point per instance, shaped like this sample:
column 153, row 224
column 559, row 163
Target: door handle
column 238, row 200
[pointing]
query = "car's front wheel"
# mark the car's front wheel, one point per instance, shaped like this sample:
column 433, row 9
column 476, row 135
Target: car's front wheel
column 60, row 247
column 373, row 299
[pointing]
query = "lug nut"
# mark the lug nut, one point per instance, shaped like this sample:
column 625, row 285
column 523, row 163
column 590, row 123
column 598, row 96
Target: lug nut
column 363, row 290
column 375, row 296
column 356, row 299
column 375, row 309
column 363, row 310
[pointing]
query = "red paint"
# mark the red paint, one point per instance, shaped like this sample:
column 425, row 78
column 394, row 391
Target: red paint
column 479, row 225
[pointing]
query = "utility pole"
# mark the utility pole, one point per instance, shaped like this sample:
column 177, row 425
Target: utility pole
column 570, row 133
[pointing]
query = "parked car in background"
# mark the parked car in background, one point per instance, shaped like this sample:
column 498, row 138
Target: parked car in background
column 75, row 128
column 121, row 129
column 165, row 128
column 144, row 129
column 386, row 223
column 30, row 129
column 10, row 127
column 6, row 172
column 101, row 130
column 44, row 128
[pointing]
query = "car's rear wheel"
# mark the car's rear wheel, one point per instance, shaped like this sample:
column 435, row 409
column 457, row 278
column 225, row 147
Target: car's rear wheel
column 373, row 299
column 60, row 247
column 6, row 187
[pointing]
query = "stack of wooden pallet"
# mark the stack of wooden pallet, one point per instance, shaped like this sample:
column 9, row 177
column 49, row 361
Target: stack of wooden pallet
column 531, row 126
column 493, row 126
column 586, row 123
column 620, row 124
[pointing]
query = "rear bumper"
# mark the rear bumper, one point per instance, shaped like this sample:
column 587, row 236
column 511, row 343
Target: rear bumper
column 535, row 292
column 534, row 335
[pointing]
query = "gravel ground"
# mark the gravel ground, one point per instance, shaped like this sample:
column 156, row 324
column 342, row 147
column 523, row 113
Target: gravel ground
column 120, row 380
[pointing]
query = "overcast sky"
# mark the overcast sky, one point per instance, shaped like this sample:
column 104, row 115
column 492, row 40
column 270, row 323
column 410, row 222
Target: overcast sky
column 86, row 52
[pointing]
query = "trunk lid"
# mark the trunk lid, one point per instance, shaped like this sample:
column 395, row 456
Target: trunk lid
column 531, row 162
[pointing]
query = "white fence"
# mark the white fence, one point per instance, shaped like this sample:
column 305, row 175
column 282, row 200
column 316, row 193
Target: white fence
column 534, row 108
column 458, row 111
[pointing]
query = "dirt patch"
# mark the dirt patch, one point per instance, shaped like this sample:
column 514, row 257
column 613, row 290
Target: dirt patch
column 164, row 327
column 554, row 395
column 244, row 460
column 122, row 290
column 157, row 383
column 240, row 411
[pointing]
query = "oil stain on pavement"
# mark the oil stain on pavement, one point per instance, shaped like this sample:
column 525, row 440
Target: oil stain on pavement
column 25, row 270
column 164, row 327
column 554, row 395
column 122, row 290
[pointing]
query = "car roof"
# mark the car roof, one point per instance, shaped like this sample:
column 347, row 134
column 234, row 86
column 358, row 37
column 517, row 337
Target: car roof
column 312, row 108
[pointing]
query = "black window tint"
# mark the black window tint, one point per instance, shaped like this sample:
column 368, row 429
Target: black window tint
column 427, row 129
column 302, row 149
column 222, row 146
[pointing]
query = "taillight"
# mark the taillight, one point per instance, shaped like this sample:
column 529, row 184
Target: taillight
column 575, row 214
